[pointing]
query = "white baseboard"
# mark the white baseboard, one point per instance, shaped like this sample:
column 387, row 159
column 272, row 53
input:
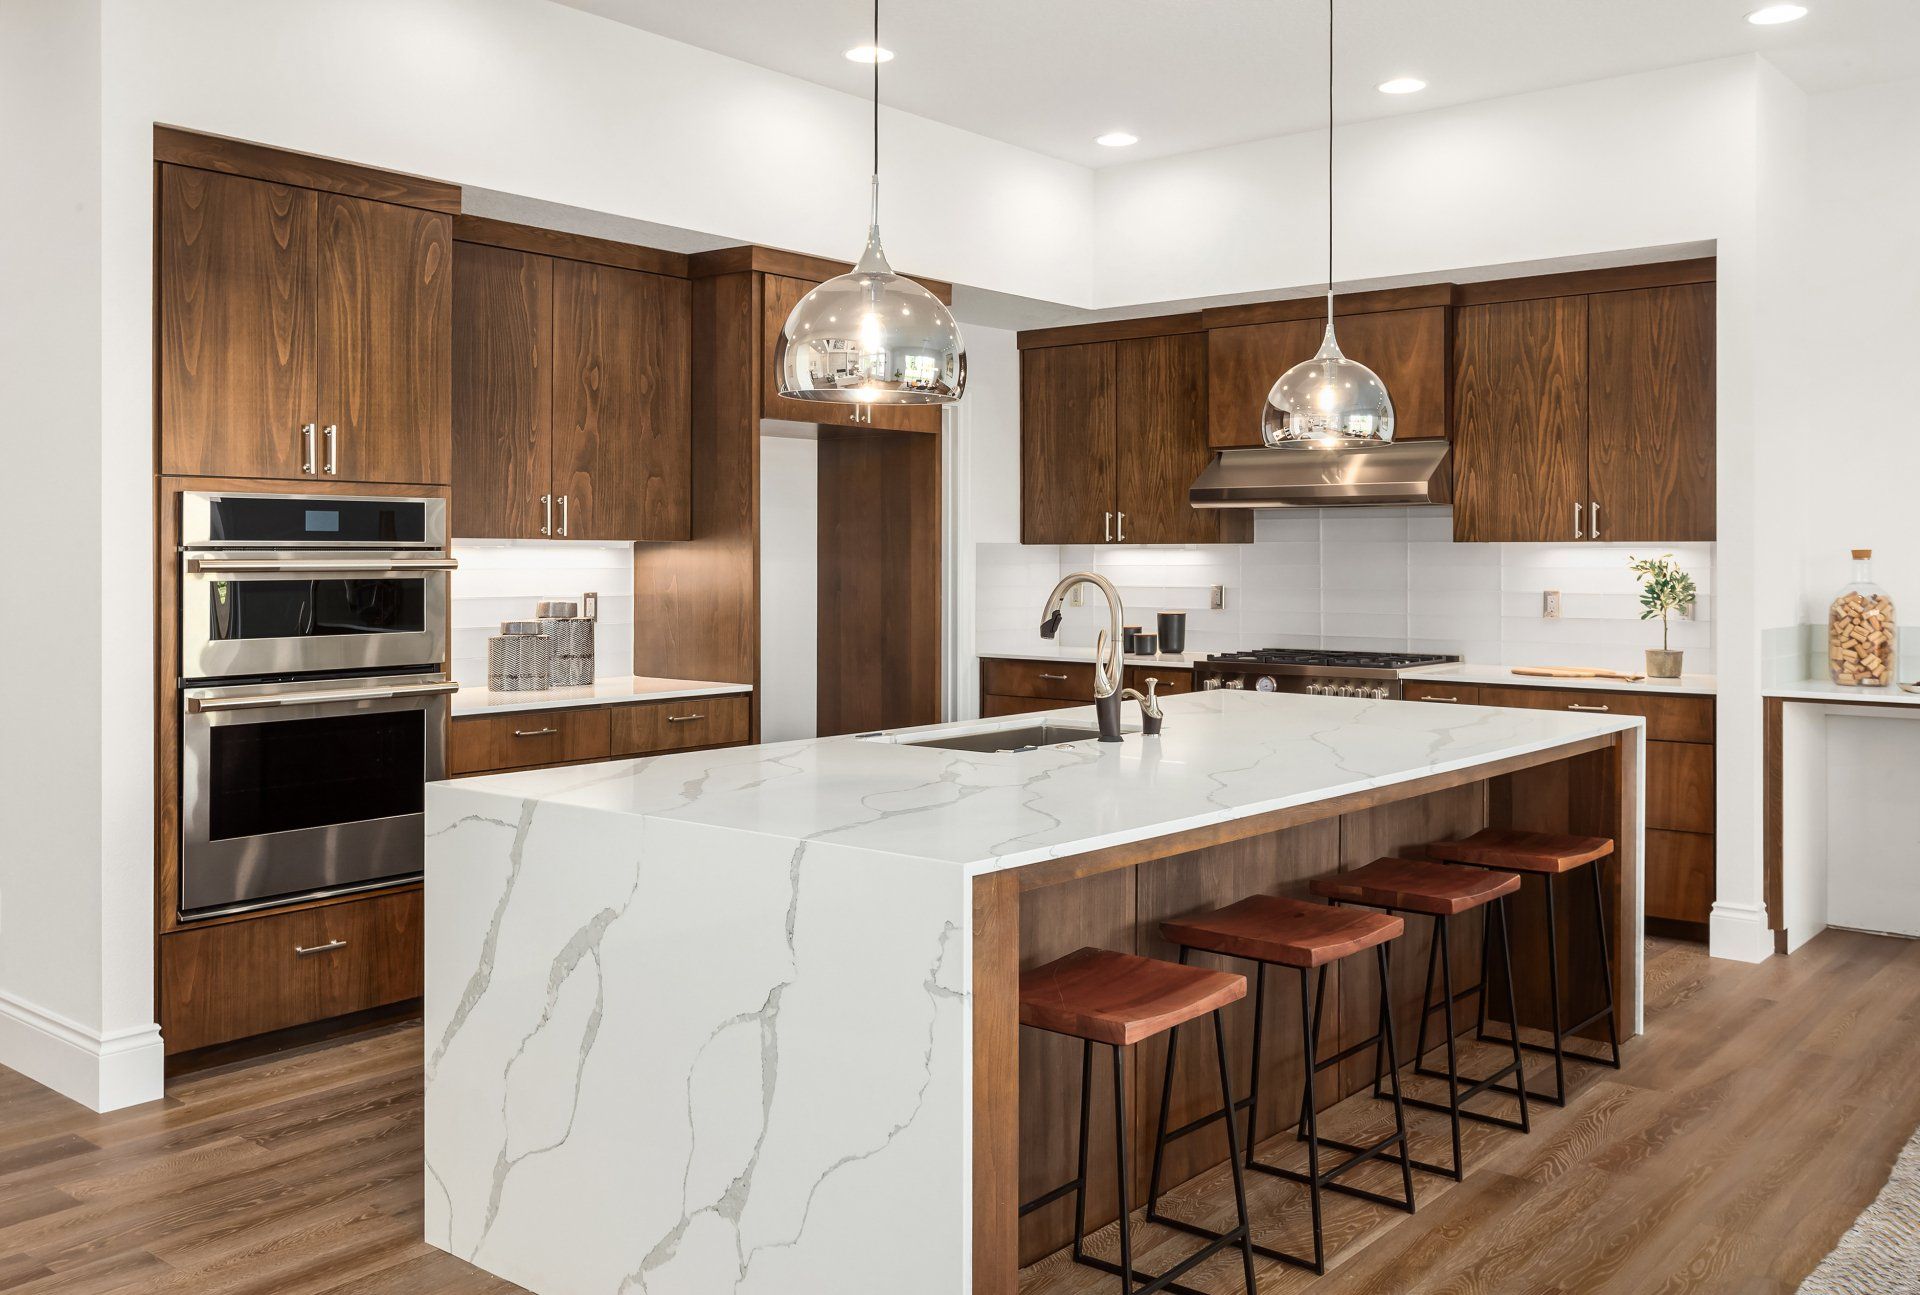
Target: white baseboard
column 1739, row 933
column 101, row 1072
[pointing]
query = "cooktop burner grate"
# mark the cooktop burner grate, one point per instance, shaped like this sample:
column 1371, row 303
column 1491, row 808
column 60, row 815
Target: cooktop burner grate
column 1333, row 659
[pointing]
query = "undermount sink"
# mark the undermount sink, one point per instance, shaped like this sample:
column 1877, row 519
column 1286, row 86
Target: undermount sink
column 1027, row 737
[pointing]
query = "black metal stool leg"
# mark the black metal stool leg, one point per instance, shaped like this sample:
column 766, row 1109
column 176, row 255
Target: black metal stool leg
column 1486, row 961
column 1312, row 1121
column 1513, row 1012
column 1445, row 947
column 1606, row 961
column 1319, row 1007
column 1253, row 1078
column 1086, row 1126
column 1393, row 1073
column 1160, row 1129
column 1233, row 1154
column 1559, row 1097
column 1120, row 1165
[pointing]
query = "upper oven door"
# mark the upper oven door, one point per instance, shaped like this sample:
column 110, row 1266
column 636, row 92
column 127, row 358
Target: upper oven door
column 283, row 612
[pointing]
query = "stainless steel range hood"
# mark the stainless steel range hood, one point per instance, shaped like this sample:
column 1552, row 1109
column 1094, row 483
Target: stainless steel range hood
column 1401, row 472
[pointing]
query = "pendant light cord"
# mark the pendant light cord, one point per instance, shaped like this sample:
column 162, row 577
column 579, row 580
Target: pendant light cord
column 876, row 105
column 1329, row 159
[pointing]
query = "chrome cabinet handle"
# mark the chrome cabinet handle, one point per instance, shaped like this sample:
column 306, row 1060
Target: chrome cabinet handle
column 333, row 456
column 1120, row 534
column 1107, row 531
column 1453, row 699
column 563, row 514
column 534, row 732
column 682, row 719
column 1058, row 678
column 546, row 502
column 1594, row 528
column 309, row 454
column 1574, row 705
column 1576, row 521
column 308, row 950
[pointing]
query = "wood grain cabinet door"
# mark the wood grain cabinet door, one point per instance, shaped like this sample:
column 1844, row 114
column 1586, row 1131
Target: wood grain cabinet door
column 385, row 342
column 622, row 412
column 502, row 392
column 1408, row 349
column 1243, row 362
column 1160, row 443
column 1067, row 469
column 1520, row 420
column 236, row 286
column 1650, row 438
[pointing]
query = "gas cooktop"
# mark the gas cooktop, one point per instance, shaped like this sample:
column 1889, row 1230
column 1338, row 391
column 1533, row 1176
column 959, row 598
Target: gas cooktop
column 1317, row 671
column 1335, row 660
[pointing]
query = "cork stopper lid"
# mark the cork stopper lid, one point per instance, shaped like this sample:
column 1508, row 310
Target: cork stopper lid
column 1861, row 555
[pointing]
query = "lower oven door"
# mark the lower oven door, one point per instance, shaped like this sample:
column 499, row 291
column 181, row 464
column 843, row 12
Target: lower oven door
column 294, row 790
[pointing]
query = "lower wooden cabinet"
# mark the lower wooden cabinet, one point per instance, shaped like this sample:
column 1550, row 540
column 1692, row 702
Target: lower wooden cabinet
column 649, row 728
column 994, row 705
column 535, row 739
column 1459, row 694
column 236, row 979
column 1009, row 686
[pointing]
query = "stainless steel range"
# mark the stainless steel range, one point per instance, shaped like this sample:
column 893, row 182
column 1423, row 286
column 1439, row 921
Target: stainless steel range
column 1313, row 670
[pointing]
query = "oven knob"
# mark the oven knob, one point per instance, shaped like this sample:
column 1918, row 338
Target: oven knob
column 1379, row 694
column 1313, row 689
column 1265, row 683
column 1211, row 681
column 1236, row 683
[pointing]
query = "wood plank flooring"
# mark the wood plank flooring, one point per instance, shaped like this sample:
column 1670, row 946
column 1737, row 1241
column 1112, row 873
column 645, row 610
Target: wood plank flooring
column 1759, row 1116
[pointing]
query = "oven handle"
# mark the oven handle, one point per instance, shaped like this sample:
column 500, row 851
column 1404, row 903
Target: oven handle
column 198, row 566
column 199, row 705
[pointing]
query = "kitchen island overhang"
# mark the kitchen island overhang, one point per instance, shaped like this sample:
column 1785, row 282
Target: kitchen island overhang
column 744, row 1019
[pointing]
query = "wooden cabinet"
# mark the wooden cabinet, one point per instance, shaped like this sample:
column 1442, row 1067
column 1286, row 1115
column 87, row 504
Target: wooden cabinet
column 1407, row 348
column 1009, row 686
column 651, row 728
column 303, row 334
column 1112, row 433
column 572, row 382
column 532, row 739
column 1457, row 694
column 781, row 294
column 1586, row 416
column 235, row 979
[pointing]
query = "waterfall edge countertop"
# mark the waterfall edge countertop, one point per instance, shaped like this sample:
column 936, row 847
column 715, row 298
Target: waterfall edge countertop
column 477, row 699
column 708, row 1021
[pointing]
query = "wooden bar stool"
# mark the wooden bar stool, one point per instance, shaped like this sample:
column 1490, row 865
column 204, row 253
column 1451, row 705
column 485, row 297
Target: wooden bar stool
column 1268, row 930
column 1546, row 855
column 1442, row 893
column 1098, row 996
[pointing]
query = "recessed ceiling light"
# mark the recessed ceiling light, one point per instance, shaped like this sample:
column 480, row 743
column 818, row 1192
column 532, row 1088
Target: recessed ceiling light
column 870, row 54
column 1774, row 14
column 1403, row 85
column 1117, row 139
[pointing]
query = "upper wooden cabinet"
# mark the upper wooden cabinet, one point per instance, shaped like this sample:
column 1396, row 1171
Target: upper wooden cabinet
column 572, row 396
column 303, row 334
column 1112, row 433
column 781, row 293
column 1406, row 347
column 1586, row 415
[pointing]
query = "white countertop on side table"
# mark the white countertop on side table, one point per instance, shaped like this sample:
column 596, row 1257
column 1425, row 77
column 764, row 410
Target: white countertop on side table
column 476, row 699
column 1827, row 690
column 1700, row 685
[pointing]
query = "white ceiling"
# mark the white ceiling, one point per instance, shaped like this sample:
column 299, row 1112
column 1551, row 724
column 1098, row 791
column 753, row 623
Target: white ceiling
column 1049, row 75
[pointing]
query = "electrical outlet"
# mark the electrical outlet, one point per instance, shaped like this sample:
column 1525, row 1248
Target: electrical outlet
column 1685, row 611
column 1077, row 598
column 1218, row 600
column 1550, row 605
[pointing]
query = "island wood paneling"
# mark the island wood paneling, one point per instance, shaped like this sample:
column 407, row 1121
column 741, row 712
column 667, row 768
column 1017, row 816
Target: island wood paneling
column 621, row 411
column 236, row 285
column 384, row 363
column 1650, row 403
column 1520, row 420
column 503, row 391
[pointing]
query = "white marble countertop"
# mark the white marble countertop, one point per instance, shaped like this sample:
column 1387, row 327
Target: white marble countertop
column 1828, row 690
column 1225, row 755
column 479, row 700
column 1466, row 672
column 1044, row 651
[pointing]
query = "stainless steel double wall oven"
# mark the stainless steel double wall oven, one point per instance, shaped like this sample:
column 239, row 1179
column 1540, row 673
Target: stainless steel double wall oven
column 313, row 639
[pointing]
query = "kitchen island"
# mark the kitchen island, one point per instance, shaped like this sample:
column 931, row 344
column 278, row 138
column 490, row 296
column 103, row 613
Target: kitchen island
column 745, row 1019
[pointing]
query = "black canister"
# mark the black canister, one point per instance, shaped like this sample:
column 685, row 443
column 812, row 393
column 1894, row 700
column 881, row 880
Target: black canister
column 1146, row 645
column 1173, row 632
column 1128, row 635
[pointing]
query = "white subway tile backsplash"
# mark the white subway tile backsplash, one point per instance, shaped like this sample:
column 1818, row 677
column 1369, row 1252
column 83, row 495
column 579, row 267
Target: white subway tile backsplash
column 503, row 580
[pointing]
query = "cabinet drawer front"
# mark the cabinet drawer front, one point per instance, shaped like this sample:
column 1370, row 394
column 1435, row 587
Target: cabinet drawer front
column 649, row 727
column 237, row 979
column 1174, row 680
column 1680, row 786
column 526, row 739
column 993, row 706
column 1669, row 719
column 1679, row 876
column 1066, row 681
column 1463, row 694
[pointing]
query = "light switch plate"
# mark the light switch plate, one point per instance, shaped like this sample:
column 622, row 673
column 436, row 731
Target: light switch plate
column 1218, row 599
column 1550, row 605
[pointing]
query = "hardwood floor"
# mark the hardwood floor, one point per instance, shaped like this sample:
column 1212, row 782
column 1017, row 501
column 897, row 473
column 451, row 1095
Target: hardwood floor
column 1757, row 1118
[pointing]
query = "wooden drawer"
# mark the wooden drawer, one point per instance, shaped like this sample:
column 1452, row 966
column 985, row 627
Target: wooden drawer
column 1679, row 884
column 1680, row 786
column 230, row 981
column 525, row 739
column 1463, row 694
column 1174, row 679
column 1669, row 719
column 1062, row 681
column 647, row 728
column 993, row 706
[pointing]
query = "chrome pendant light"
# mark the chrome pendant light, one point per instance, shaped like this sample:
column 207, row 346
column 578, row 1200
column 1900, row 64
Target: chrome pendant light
column 871, row 337
column 1329, row 401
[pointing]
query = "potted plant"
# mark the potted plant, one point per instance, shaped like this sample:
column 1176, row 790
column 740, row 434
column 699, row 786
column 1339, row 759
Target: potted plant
column 1664, row 590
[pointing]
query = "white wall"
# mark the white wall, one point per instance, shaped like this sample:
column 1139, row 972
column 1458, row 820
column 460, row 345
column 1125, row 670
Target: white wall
column 789, row 587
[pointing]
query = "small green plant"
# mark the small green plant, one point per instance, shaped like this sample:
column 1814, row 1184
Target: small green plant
column 1664, row 589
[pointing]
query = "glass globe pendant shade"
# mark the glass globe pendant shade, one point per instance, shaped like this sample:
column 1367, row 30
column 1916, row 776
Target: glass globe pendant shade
column 871, row 337
column 1328, row 402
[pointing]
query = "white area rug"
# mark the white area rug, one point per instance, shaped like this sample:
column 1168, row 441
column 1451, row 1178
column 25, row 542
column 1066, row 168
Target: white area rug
column 1880, row 1254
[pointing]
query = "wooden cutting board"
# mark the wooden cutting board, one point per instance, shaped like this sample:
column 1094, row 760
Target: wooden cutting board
column 1575, row 672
